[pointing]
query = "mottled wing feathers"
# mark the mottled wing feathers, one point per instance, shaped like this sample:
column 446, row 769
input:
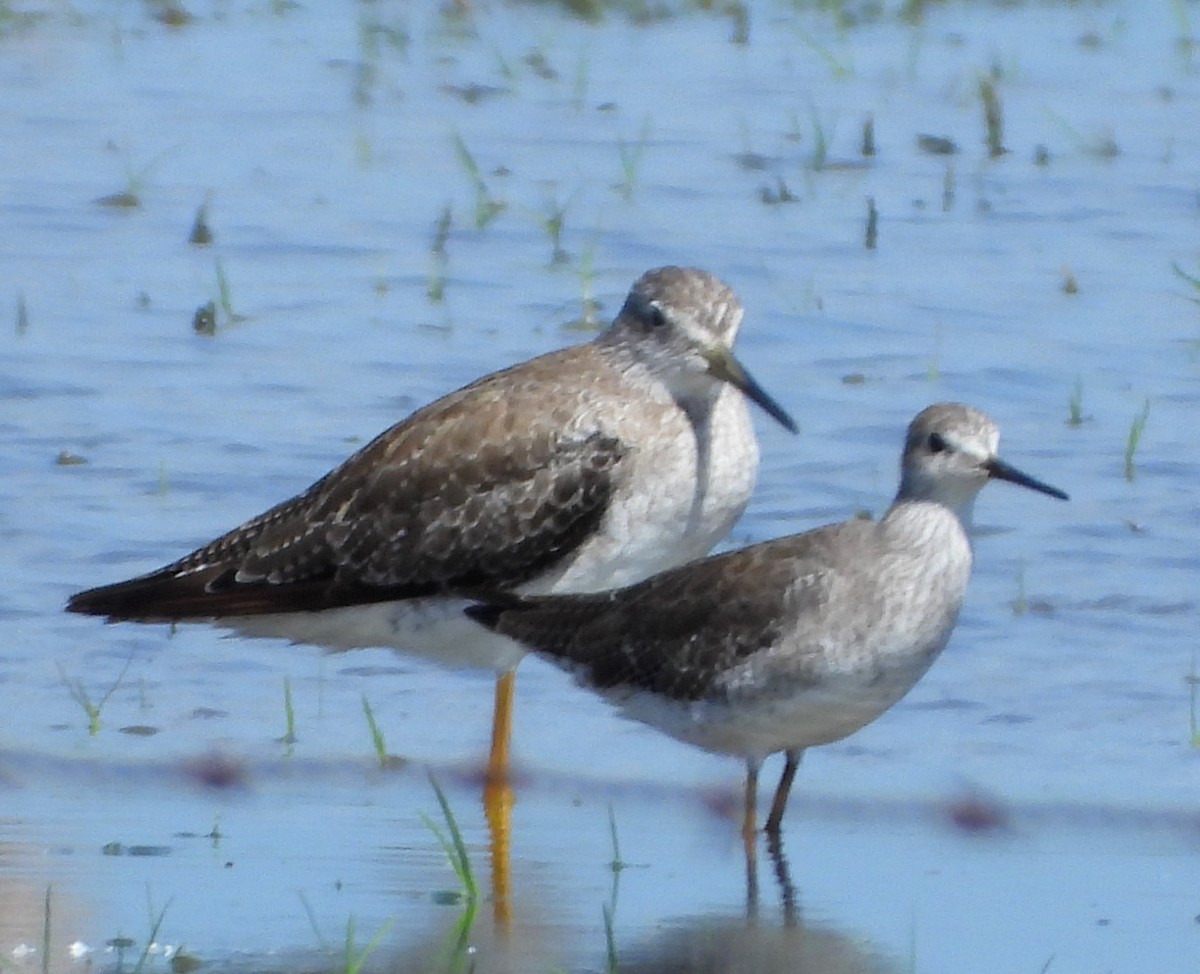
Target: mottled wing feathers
column 682, row 633
column 483, row 489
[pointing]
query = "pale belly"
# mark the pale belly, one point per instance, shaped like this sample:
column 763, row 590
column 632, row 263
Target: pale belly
column 806, row 717
column 435, row 628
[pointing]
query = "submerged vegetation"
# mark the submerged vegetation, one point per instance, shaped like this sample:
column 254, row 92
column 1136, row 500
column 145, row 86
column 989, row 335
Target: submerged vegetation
column 1075, row 404
column 455, row 955
column 1193, row 684
column 993, row 117
column 289, row 716
column 435, row 282
column 93, row 709
column 386, row 761
column 1134, row 439
column 631, row 153
column 487, row 206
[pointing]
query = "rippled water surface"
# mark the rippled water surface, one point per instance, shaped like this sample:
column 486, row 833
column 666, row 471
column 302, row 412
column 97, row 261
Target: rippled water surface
column 1031, row 805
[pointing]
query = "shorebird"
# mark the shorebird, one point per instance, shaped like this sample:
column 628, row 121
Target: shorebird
column 586, row 468
column 794, row 642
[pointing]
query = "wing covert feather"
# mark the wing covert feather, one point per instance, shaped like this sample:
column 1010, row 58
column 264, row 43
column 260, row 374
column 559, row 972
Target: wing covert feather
column 681, row 632
column 439, row 502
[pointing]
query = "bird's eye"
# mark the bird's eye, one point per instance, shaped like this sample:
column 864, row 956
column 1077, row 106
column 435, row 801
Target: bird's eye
column 655, row 315
column 936, row 443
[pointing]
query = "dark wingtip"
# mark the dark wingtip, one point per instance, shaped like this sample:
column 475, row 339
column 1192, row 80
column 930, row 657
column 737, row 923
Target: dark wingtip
column 148, row 598
column 489, row 605
column 486, row 614
column 89, row 602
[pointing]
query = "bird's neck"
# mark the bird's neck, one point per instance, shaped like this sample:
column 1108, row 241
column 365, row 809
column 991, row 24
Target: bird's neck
column 916, row 522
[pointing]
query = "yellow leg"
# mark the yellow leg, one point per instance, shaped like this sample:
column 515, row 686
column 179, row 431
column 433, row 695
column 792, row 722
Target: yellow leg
column 497, row 772
column 750, row 818
column 498, row 802
column 498, row 799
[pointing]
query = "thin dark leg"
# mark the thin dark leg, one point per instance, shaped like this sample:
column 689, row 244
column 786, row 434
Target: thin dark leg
column 779, row 805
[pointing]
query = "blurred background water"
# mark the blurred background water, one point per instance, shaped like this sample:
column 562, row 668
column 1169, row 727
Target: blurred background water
column 403, row 196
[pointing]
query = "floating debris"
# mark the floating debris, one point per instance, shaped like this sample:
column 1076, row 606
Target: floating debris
column 936, row 145
column 172, row 14
column 474, row 93
column 138, row 730
column 781, row 194
column 751, row 161
column 993, row 118
column 126, row 199
column 120, row 849
column 540, row 65
column 204, row 321
column 201, row 235
column 868, row 137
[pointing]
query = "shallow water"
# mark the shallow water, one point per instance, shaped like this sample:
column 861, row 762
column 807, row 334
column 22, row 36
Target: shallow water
column 1031, row 805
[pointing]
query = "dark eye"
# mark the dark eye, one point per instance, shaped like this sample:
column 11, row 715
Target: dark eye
column 655, row 315
column 936, row 443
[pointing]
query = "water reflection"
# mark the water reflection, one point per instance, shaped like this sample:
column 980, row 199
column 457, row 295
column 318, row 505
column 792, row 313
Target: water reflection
column 710, row 944
column 498, row 801
column 783, row 877
column 33, row 915
column 716, row 944
column 753, row 941
column 755, row 938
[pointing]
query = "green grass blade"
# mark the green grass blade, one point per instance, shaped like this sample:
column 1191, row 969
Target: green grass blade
column 289, row 715
column 610, row 941
column 312, row 920
column 46, row 935
column 354, row 961
column 617, row 863
column 454, row 847
column 377, row 740
column 1136, row 429
column 1075, row 406
column 152, row 939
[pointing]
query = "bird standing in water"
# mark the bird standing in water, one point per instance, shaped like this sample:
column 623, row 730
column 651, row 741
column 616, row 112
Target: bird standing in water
column 791, row 643
column 583, row 469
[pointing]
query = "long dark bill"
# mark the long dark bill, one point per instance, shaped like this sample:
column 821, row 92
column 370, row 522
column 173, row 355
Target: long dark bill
column 1000, row 470
column 723, row 365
